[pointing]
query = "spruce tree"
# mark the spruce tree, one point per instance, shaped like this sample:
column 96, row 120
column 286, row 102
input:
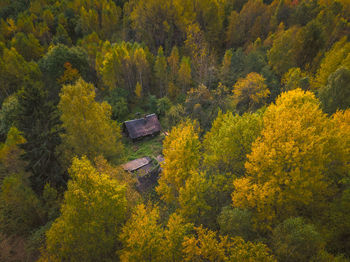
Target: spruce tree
column 39, row 121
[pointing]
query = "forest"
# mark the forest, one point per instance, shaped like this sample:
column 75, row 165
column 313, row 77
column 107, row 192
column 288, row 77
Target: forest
column 253, row 97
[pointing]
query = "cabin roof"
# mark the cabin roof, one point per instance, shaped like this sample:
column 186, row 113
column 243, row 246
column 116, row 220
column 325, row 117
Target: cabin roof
column 142, row 127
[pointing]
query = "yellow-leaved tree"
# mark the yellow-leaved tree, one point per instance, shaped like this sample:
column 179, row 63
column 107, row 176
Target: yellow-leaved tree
column 286, row 170
column 337, row 56
column 88, row 125
column 145, row 239
column 207, row 246
column 142, row 236
column 182, row 154
column 91, row 218
column 250, row 93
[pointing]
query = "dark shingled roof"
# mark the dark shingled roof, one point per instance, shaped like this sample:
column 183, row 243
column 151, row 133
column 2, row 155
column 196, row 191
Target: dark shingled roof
column 142, row 127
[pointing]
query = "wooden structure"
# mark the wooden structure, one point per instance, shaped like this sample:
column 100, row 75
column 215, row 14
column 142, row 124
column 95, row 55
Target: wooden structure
column 143, row 127
column 145, row 170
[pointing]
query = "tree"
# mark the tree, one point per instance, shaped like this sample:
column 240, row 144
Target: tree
column 175, row 115
column 251, row 22
column 199, row 105
column 8, row 114
column 294, row 240
column 312, row 41
column 62, row 36
column 143, row 236
column 163, row 106
column 336, row 94
column 229, row 141
column 19, row 206
column 89, row 129
column 160, row 23
column 145, row 239
column 10, row 154
column 283, row 53
column 52, row 66
column 117, row 98
column 28, row 46
column 294, row 79
column 102, row 17
column 15, row 72
column 124, row 178
column 250, row 93
column 236, row 222
column 161, row 71
column 138, row 90
column 226, row 67
column 286, row 170
column 336, row 57
column 193, row 199
column 225, row 150
column 207, row 246
column 177, row 229
column 181, row 153
column 123, row 65
column 39, row 122
column 334, row 222
column 173, row 62
column 92, row 214
column 184, row 75
column 69, row 76
column 198, row 50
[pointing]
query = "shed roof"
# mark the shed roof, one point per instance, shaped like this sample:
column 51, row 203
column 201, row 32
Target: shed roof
column 137, row 164
column 146, row 126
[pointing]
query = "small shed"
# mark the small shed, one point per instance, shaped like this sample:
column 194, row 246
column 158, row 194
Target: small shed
column 137, row 164
column 139, row 128
column 145, row 170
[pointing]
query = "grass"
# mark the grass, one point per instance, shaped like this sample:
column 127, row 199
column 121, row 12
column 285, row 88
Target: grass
column 149, row 146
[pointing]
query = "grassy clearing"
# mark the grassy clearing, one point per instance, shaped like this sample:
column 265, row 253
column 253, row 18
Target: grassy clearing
column 150, row 146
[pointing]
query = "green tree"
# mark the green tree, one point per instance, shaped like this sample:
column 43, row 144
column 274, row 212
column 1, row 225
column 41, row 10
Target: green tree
column 227, row 144
column 8, row 114
column 15, row 71
column 52, row 66
column 294, row 240
column 283, row 53
column 19, row 207
column 92, row 215
column 312, row 40
column 236, row 222
column 336, row 94
column 161, row 72
column 163, row 105
column 39, row 122
column 88, row 125
column 184, row 75
column 62, row 36
column 28, row 46
column 10, row 154
column 173, row 62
